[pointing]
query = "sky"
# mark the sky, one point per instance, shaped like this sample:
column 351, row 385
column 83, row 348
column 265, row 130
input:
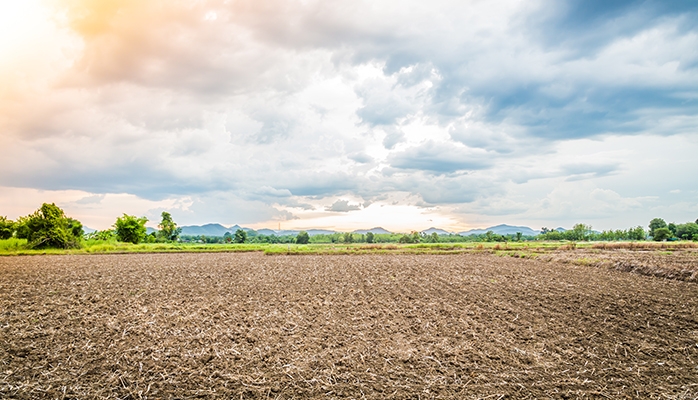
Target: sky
column 351, row 114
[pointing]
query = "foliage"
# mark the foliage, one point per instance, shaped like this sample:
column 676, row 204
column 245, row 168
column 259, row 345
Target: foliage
column 48, row 227
column 369, row 237
column 348, row 237
column 687, row 231
column 130, row 229
column 240, row 236
column 105, row 235
column 7, row 228
column 655, row 224
column 662, row 234
column 303, row 237
column 169, row 232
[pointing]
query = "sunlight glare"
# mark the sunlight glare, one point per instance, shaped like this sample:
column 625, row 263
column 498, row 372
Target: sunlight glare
column 19, row 19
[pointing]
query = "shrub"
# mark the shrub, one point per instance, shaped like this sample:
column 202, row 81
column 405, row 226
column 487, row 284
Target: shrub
column 240, row 236
column 130, row 229
column 7, row 228
column 303, row 237
column 48, row 227
column 662, row 234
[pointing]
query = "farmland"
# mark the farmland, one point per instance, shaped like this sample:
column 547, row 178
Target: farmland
column 590, row 323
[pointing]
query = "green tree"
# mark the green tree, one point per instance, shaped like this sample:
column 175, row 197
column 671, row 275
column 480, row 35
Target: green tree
column 578, row 232
column 637, row 233
column 303, row 237
column 655, row 224
column 240, row 236
column 130, row 229
column 405, row 239
column 687, row 231
column 672, row 227
column 169, row 232
column 662, row 234
column 102, row 235
column 7, row 228
column 519, row 235
column 369, row 237
column 227, row 237
column 49, row 227
column 434, row 237
column 348, row 237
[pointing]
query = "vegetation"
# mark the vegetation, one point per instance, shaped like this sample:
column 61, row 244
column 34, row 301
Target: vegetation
column 169, row 232
column 48, row 227
column 240, row 236
column 7, row 228
column 303, row 237
column 130, row 229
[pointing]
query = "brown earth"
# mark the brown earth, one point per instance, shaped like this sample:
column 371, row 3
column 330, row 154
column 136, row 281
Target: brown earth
column 370, row 326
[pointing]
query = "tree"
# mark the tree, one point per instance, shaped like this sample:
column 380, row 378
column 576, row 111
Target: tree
column 303, row 237
column 662, row 234
column 672, row 227
column 227, row 237
column 369, row 237
column 434, row 237
column 655, row 224
column 637, row 233
column 130, row 229
column 240, row 236
column 519, row 235
column 7, row 228
column 687, row 231
column 578, row 232
column 348, row 237
column 169, row 232
column 49, row 227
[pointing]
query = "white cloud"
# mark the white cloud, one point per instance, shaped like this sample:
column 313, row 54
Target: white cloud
column 245, row 112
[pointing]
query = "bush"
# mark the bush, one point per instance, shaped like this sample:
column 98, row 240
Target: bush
column 303, row 237
column 102, row 235
column 130, row 229
column 240, row 236
column 48, row 227
column 7, row 228
column 662, row 234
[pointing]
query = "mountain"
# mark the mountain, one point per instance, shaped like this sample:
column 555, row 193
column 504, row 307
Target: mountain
column 88, row 230
column 206, row 230
column 313, row 232
column 502, row 230
column 284, row 232
column 435, row 230
column 377, row 230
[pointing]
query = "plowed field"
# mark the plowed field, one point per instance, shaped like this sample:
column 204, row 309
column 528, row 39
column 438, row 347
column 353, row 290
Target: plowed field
column 368, row 326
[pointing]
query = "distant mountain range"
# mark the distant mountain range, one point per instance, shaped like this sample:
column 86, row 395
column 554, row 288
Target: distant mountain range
column 375, row 231
column 502, row 230
column 220, row 230
column 435, row 230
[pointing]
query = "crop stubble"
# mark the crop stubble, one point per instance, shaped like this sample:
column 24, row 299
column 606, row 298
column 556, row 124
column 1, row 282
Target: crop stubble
column 374, row 326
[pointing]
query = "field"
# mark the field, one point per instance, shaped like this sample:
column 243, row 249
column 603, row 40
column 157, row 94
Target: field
column 594, row 323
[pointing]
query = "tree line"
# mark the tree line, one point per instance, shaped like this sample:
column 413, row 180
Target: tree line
column 49, row 227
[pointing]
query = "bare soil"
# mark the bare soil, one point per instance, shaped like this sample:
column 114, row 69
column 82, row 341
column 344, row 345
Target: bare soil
column 370, row 326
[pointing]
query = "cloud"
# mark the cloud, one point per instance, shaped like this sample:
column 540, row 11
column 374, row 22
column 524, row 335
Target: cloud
column 342, row 206
column 439, row 157
column 276, row 104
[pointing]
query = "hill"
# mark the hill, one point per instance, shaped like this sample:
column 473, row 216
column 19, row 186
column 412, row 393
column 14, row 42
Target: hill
column 502, row 230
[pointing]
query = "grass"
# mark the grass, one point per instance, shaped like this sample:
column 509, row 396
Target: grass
column 514, row 249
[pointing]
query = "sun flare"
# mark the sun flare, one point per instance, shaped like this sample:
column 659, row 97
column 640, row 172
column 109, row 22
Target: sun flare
column 19, row 19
